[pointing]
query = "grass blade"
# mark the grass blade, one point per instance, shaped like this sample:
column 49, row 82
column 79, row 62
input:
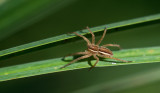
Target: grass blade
column 137, row 56
column 66, row 36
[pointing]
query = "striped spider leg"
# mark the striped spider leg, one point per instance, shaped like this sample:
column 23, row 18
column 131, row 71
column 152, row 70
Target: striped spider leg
column 95, row 50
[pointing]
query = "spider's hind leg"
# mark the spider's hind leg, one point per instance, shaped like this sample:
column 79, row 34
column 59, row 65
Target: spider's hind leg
column 78, row 53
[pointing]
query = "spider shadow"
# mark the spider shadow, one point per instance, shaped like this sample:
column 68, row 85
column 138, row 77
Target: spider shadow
column 90, row 59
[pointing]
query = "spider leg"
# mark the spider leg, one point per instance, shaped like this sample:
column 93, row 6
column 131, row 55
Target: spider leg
column 114, row 45
column 102, row 36
column 93, row 37
column 118, row 59
column 95, row 63
column 83, row 57
column 114, row 58
column 88, row 42
column 78, row 53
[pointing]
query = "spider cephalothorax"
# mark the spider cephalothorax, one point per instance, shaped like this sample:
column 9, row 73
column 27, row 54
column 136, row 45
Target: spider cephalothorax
column 95, row 50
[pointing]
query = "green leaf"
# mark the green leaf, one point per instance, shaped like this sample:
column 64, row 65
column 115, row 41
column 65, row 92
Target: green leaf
column 36, row 44
column 137, row 56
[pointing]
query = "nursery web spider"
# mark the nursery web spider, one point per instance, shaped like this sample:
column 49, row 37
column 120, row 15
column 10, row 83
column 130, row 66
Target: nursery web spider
column 95, row 50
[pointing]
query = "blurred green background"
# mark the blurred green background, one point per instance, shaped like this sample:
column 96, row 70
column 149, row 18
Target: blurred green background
column 24, row 21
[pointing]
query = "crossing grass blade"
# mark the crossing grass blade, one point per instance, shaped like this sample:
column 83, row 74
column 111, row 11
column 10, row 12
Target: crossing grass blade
column 40, row 43
column 137, row 56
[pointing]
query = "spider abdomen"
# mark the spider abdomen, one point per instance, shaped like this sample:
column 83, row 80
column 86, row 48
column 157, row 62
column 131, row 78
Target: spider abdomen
column 105, row 51
column 99, row 50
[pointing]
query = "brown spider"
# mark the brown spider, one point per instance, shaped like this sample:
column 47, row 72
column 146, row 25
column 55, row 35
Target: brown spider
column 95, row 50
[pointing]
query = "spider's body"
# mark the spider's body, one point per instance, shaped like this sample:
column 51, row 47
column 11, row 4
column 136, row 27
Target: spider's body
column 99, row 50
column 95, row 50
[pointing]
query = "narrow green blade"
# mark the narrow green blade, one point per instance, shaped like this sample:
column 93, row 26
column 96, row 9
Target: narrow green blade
column 67, row 36
column 137, row 56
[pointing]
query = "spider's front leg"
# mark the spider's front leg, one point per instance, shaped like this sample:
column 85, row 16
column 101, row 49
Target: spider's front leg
column 93, row 37
column 104, row 33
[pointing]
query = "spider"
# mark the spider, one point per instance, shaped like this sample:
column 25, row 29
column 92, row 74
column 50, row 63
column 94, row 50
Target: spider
column 95, row 50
